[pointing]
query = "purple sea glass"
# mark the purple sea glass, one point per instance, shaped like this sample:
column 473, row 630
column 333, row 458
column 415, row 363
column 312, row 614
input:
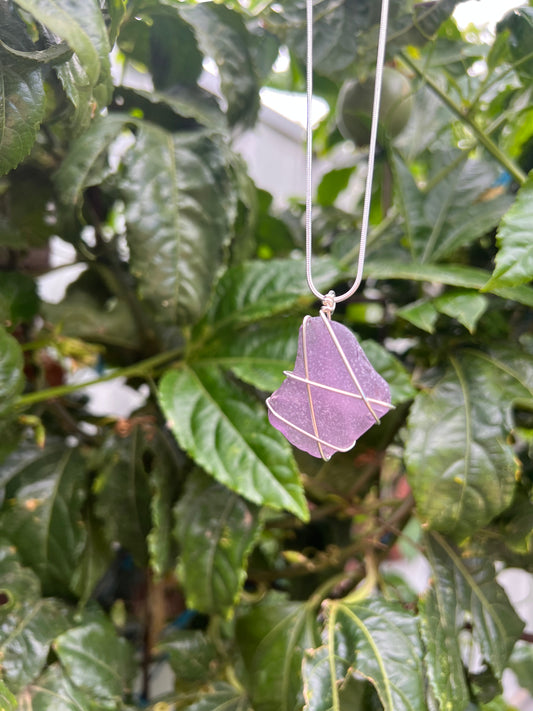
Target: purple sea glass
column 332, row 396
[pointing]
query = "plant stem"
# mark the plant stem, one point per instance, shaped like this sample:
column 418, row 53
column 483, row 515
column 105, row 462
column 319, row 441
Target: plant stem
column 509, row 165
column 143, row 367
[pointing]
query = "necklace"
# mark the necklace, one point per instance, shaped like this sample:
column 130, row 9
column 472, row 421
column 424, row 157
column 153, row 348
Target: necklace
column 333, row 395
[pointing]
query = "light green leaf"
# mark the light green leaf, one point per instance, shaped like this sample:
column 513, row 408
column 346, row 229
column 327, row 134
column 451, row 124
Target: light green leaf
column 459, row 462
column 190, row 654
column 273, row 637
column 259, row 289
column 122, row 492
column 79, row 23
column 377, row 639
column 22, row 94
column 28, row 625
column 465, row 306
column 521, row 663
column 96, row 660
column 180, row 211
column 514, row 260
column 421, row 314
column 332, row 184
column 54, row 691
column 225, row 430
column 11, row 376
column 222, row 35
column 216, row 530
column 42, row 515
column 464, row 589
column 223, row 697
column 7, row 701
column 390, row 368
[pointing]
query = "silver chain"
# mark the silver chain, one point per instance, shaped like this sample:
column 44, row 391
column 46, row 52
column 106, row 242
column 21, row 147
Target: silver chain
column 371, row 156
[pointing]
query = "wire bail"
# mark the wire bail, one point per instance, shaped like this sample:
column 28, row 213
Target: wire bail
column 328, row 304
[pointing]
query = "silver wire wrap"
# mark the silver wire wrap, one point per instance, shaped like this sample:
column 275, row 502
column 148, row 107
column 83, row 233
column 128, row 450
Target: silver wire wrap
column 382, row 41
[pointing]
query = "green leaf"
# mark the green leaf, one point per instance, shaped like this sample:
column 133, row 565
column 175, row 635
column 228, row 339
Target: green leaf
column 96, row 660
column 18, row 299
column 27, row 223
column 367, row 638
column 514, row 260
column 521, row 663
column 77, row 171
column 332, row 184
column 222, row 35
column 122, row 492
column 42, row 515
column 421, row 314
column 465, row 306
column 223, row 697
column 54, row 691
column 53, row 53
column 94, row 560
column 28, row 625
column 519, row 24
column 464, row 589
column 452, row 275
column 190, row 654
column 459, row 463
column 22, row 94
column 273, row 637
column 7, row 701
column 390, row 368
column 259, row 289
column 227, row 433
column 11, row 376
column 216, row 530
column 180, row 211
column 81, row 25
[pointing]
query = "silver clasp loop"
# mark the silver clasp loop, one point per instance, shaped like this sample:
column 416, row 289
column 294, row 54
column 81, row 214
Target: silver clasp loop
column 329, row 303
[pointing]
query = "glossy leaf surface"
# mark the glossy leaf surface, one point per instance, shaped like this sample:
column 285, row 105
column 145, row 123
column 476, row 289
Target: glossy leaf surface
column 190, row 654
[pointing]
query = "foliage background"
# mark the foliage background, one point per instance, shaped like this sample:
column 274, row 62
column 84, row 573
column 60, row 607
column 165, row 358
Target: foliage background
column 191, row 533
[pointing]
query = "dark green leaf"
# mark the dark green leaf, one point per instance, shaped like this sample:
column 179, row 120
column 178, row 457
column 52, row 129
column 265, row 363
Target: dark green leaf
column 464, row 590
column 11, row 377
column 223, row 697
column 93, row 561
column 54, row 691
column 53, row 53
column 216, row 530
column 42, row 517
column 180, row 210
column 379, row 640
column 514, row 261
column 222, row 35
column 522, row 663
column 519, row 24
column 96, row 660
column 21, row 94
column 27, row 223
column 174, row 54
column 7, row 701
column 227, row 433
column 460, row 465
column 190, row 654
column 332, row 184
column 390, row 368
column 18, row 299
column 122, row 491
column 259, row 289
column 28, row 625
column 465, row 306
column 273, row 637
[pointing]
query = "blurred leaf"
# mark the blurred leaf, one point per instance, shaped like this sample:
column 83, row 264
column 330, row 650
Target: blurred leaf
column 465, row 306
column 122, row 493
column 180, row 211
column 54, row 691
column 42, row 515
column 18, row 299
column 259, row 289
column 519, row 25
column 464, row 590
column 227, row 433
column 52, row 53
column 365, row 638
column 222, row 697
column 116, row 10
column 216, row 530
column 22, row 94
column 28, row 625
column 522, row 663
column 7, row 701
column 11, row 376
column 189, row 653
column 421, row 314
column 222, row 35
column 514, row 261
column 273, row 637
column 390, row 368
column 93, row 561
column 460, row 466
column 96, row 660
column 332, row 184
column 174, row 54
column 27, row 223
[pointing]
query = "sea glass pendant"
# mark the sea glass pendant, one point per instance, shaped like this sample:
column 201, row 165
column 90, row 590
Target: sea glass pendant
column 333, row 395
